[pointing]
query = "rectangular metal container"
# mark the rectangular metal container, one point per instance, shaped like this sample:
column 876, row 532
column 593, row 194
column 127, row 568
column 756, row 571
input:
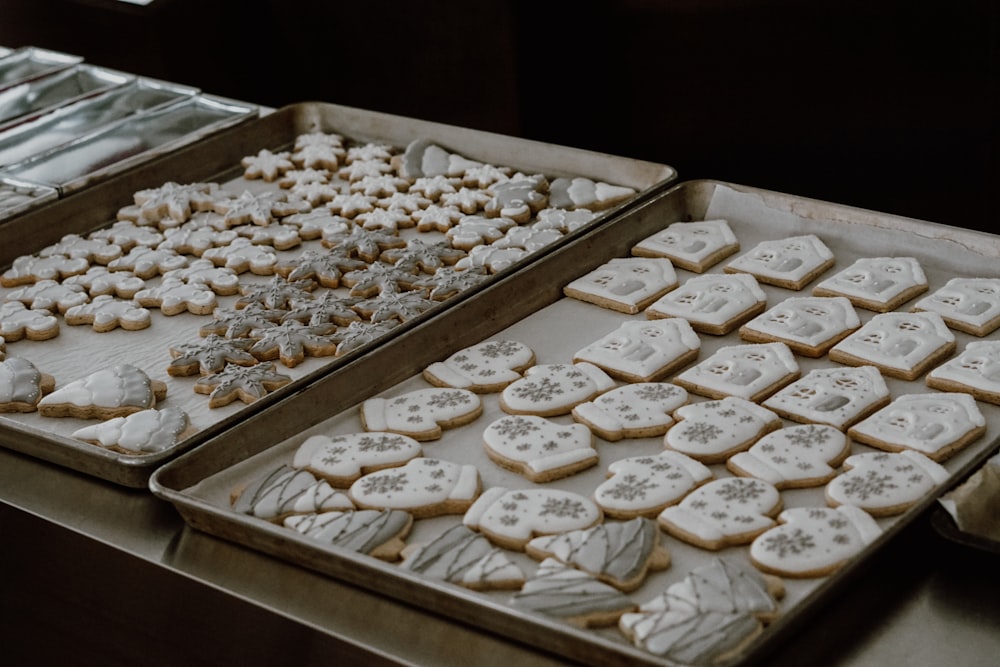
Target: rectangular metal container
column 216, row 158
column 528, row 306
column 28, row 63
column 56, row 90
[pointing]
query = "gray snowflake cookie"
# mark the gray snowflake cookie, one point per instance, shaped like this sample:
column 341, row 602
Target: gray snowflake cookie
column 510, row 518
column 246, row 383
column 421, row 414
column 424, row 487
column 342, row 459
column 484, row 368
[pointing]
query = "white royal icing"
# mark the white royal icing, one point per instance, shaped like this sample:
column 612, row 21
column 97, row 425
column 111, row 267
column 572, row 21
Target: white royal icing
column 119, row 386
column 790, row 259
column 689, row 242
column 724, row 511
column 644, row 484
column 978, row 367
column 423, row 485
column 972, row 301
column 808, row 320
column 146, row 431
column 629, row 282
column 363, row 531
column 834, row 396
column 713, row 299
column 540, row 445
column 638, row 409
column 462, row 556
column 898, row 341
column 799, row 455
column 420, row 411
column 880, row 481
column 877, row 279
column 641, row 349
column 555, row 388
column 743, row 371
column 713, row 428
column 564, row 592
column 489, row 364
column 927, row 423
column 20, row 381
column 346, row 456
column 517, row 515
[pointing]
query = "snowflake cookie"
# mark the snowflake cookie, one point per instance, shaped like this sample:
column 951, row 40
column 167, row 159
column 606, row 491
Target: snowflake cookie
column 30, row 269
column 464, row 557
column 246, row 383
column 643, row 350
column 646, row 485
column 510, row 518
column 723, row 512
column 752, row 372
column 342, row 459
column 209, row 355
column 884, row 484
column 22, row 385
column 937, row 425
column 421, row 414
column 539, row 449
column 547, row 390
column 573, row 596
column 424, row 487
column 798, row 456
column 714, row 304
column 376, row 533
column 639, row 410
column 484, row 368
column 111, row 392
column 838, row 397
column 284, row 491
column 626, row 285
column 694, row 246
column 813, row 541
column 713, row 431
column 145, row 432
column 901, row 345
column 791, row 263
column 620, row 554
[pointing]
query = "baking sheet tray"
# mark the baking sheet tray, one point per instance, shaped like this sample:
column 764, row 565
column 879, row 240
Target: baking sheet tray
column 528, row 306
column 59, row 89
column 30, row 62
column 78, row 351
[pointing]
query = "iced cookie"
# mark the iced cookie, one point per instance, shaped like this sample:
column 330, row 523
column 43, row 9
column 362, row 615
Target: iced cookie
column 548, row 390
column 464, row 557
column 975, row 371
column 620, row 554
column 284, row 491
column 563, row 221
column 291, row 342
column 145, row 432
column 627, row 285
column 17, row 322
column 244, row 383
column 838, row 397
column 791, row 263
column 512, row 517
column 810, row 326
column 884, row 484
column 424, row 487
column 876, row 283
column 237, row 323
column 357, row 335
column 173, row 297
column 798, row 456
column 580, row 192
column 723, row 513
column 539, row 449
column 421, row 414
column 519, row 198
column 209, row 355
column 22, row 385
column 752, row 372
column 475, row 230
column 529, row 238
column 694, row 246
column 492, row 258
column 174, row 201
column 640, row 410
column 422, row 256
column 106, row 313
column 342, row 459
column 148, row 263
column 112, row 392
column 401, row 307
column 643, row 350
column 48, row 295
column 707, row 617
column 712, row 431
column 483, row 368
column 813, row 541
column 29, row 269
column 219, row 279
column 423, row 157
column 971, row 305
column 266, row 165
column 376, row 533
column 646, row 485
column 571, row 595
column 714, row 304
column 901, row 345
column 99, row 281
column 937, row 425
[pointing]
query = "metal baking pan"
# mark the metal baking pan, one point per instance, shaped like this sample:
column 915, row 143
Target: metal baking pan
column 37, row 97
column 528, row 306
column 30, row 62
column 63, row 124
column 217, row 158
column 18, row 196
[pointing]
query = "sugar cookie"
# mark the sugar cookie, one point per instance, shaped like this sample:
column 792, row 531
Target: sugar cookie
column 464, row 557
column 797, row 456
column 510, row 518
column 376, row 533
column 901, row 345
column 144, row 432
column 342, row 459
column 713, row 303
column 810, row 326
column 752, row 372
column 111, row 392
column 971, row 305
column 484, row 368
column 791, row 263
column 694, row 246
column 712, row 431
column 975, row 371
column 838, row 397
column 22, row 385
column 283, row 491
column 244, row 383
column 723, row 512
column 884, row 484
column 876, row 283
column 539, row 449
column 421, row 414
column 571, row 595
column 424, row 487
column 638, row 410
column 627, row 285
column 548, row 390
column 646, row 485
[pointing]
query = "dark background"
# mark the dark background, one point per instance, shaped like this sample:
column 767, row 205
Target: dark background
column 890, row 106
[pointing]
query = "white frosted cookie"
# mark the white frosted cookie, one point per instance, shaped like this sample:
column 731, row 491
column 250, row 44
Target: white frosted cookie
column 492, row 258
column 937, row 424
column 111, row 392
column 424, row 487
column 901, row 345
column 580, row 192
column 876, row 283
column 285, row 491
column 464, row 557
column 519, row 198
column 791, row 263
column 571, row 595
column 723, row 513
column 342, row 459
column 626, row 285
column 539, row 449
column 421, row 414
column 561, row 220
column 714, row 304
column 797, row 456
column 106, row 313
column 645, row 485
column 423, row 158
column 971, row 305
column 482, row 368
column 22, row 385
column 17, row 321
column 695, row 246
column 243, row 383
column 548, row 390
column 883, row 483
column 643, row 350
column 144, row 432
column 512, row 517
column 809, row 325
column 48, row 295
column 638, row 410
column 619, row 553
column 707, row 617
column 376, row 533
column 975, row 371
column 813, row 541
column 712, row 431
column 752, row 372
column 838, row 397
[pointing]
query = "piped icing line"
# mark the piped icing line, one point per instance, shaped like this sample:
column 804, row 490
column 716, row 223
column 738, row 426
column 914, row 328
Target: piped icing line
column 462, row 556
column 564, row 592
column 363, row 531
column 284, row 491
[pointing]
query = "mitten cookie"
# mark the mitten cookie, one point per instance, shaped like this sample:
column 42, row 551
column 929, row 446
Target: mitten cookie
column 885, row 484
column 539, row 449
column 547, row 390
column 483, row 368
column 713, row 431
column 646, row 485
column 793, row 457
column 424, row 487
column 511, row 517
column 342, row 459
column 421, row 414
column 723, row 512
column 640, row 410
